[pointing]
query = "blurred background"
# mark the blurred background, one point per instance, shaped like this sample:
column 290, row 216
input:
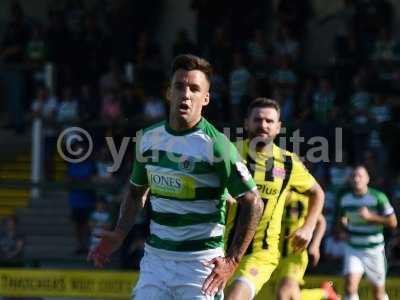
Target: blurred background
column 103, row 65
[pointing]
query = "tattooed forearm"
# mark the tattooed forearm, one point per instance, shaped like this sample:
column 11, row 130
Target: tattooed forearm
column 249, row 213
column 134, row 200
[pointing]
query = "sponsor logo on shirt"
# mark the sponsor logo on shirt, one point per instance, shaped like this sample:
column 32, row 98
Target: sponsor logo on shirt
column 279, row 172
column 181, row 187
column 265, row 189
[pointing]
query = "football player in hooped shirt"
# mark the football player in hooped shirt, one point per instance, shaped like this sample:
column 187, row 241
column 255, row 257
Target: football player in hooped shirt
column 275, row 171
column 188, row 167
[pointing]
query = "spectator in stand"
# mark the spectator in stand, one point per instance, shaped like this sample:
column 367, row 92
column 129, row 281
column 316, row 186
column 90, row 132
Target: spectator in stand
column 113, row 79
column 324, row 100
column 380, row 116
column 286, row 45
column 68, row 110
column 100, row 219
column 238, row 85
column 149, row 64
column 219, row 96
column 11, row 244
column 132, row 102
column 81, row 198
column 154, row 108
column 359, row 106
column 88, row 104
column 218, row 50
column 111, row 109
column 257, row 49
column 339, row 174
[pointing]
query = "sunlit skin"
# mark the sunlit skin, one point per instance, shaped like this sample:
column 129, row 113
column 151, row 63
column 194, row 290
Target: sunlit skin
column 359, row 181
column 262, row 126
column 187, row 95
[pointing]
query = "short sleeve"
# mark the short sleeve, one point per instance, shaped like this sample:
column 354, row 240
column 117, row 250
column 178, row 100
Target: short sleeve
column 301, row 179
column 231, row 168
column 385, row 208
column 139, row 174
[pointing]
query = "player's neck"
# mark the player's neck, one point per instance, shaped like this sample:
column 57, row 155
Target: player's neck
column 361, row 192
column 178, row 124
column 264, row 147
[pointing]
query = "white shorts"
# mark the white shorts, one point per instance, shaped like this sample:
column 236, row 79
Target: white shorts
column 171, row 279
column 371, row 261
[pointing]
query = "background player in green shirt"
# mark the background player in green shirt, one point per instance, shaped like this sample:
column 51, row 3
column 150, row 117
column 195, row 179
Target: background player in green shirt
column 363, row 213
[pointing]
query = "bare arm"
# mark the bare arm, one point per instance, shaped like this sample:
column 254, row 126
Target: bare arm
column 133, row 201
column 314, row 248
column 319, row 232
column 250, row 208
column 302, row 236
column 389, row 221
column 316, row 203
column 249, row 214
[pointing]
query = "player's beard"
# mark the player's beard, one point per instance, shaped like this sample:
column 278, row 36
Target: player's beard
column 259, row 142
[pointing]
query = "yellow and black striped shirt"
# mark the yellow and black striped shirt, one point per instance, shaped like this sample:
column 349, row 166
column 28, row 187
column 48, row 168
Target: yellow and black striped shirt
column 275, row 174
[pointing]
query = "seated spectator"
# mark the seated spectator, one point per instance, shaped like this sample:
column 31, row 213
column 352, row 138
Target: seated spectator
column 257, row 48
column 113, row 79
column 68, row 111
column 154, row 108
column 11, row 244
column 284, row 75
column 323, row 104
column 100, row 219
column 88, row 104
column 111, row 110
column 132, row 102
column 339, row 173
column 286, row 45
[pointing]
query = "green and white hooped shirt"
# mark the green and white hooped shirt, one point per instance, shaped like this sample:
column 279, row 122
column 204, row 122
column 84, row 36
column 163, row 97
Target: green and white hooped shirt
column 364, row 235
column 189, row 174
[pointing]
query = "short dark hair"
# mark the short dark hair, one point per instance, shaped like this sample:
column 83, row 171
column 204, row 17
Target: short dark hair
column 191, row 62
column 263, row 102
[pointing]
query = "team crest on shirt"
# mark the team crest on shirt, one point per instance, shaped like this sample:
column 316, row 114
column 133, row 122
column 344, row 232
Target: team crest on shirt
column 186, row 164
column 279, row 172
column 243, row 171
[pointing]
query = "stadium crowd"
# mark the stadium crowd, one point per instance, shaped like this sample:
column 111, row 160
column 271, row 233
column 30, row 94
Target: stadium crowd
column 111, row 78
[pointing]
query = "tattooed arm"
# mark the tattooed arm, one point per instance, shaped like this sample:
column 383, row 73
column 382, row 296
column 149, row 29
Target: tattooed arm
column 133, row 202
column 250, row 208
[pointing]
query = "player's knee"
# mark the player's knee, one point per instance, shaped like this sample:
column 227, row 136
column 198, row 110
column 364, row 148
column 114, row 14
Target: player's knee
column 379, row 292
column 239, row 290
column 288, row 289
column 351, row 286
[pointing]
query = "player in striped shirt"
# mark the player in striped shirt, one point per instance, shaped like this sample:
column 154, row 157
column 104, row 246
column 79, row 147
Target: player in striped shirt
column 189, row 168
column 276, row 171
column 364, row 212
